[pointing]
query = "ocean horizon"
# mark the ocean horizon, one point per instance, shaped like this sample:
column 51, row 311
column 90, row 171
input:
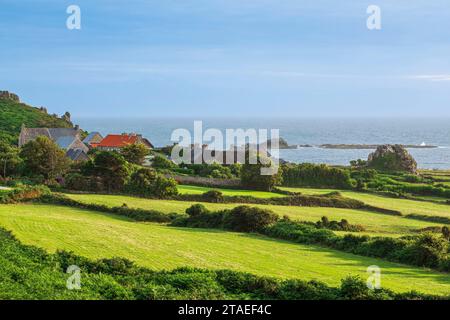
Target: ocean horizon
column 305, row 131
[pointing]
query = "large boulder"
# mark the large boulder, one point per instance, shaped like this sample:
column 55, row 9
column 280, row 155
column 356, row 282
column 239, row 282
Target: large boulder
column 392, row 158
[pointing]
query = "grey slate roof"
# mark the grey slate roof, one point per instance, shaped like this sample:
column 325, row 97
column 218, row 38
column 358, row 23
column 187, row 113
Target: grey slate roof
column 77, row 154
column 57, row 133
column 65, row 142
column 29, row 134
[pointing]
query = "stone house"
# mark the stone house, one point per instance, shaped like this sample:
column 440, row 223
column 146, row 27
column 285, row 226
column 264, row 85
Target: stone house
column 66, row 138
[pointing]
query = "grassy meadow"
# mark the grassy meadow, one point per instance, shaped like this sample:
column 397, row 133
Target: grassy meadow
column 375, row 223
column 96, row 235
column 185, row 189
column 405, row 206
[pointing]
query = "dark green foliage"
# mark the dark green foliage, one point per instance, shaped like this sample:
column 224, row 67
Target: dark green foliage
column 437, row 219
column 135, row 153
column 161, row 162
column 426, row 250
column 9, row 159
column 112, row 168
column 79, row 182
column 142, row 182
column 342, row 225
column 253, row 177
column 196, row 210
column 164, row 187
column 242, row 218
column 300, row 233
column 147, row 182
column 445, row 232
column 332, row 200
column 249, row 219
column 214, row 196
column 44, row 157
column 213, row 170
column 315, row 175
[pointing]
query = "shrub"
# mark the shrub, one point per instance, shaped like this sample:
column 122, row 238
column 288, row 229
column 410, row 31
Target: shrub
column 252, row 176
column 427, row 250
column 342, row 225
column 213, row 196
column 242, row 218
column 214, row 170
column 164, row 187
column 147, row 182
column 249, row 219
column 161, row 162
column 313, row 175
column 135, row 153
column 43, row 156
column 196, row 210
column 23, row 193
column 112, row 168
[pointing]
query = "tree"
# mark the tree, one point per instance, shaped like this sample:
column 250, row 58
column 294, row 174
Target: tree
column 251, row 176
column 43, row 157
column 112, row 168
column 9, row 158
column 162, row 162
column 147, row 182
column 135, row 153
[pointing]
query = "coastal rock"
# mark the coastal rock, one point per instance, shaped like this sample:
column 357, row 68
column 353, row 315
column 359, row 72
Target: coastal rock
column 392, row 158
column 10, row 96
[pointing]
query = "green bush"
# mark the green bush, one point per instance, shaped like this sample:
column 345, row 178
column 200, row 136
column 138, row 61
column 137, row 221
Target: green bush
column 196, row 210
column 161, row 162
column 213, row 196
column 242, row 218
column 23, row 193
column 315, row 175
column 147, row 182
column 249, row 219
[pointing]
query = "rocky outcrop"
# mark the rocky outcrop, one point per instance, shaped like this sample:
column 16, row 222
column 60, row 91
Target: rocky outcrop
column 392, row 158
column 10, row 96
column 66, row 117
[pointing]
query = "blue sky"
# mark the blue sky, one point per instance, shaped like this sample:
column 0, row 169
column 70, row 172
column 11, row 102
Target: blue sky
column 248, row 58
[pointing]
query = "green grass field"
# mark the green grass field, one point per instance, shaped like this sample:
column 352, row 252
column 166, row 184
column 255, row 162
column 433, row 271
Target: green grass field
column 375, row 223
column 185, row 189
column 97, row 235
column 403, row 205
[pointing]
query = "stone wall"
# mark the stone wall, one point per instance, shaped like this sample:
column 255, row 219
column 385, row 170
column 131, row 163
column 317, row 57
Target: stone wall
column 9, row 95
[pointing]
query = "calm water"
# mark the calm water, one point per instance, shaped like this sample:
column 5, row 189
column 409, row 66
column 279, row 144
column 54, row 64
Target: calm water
column 308, row 131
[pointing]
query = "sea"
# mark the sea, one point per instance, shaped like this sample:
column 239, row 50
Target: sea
column 305, row 131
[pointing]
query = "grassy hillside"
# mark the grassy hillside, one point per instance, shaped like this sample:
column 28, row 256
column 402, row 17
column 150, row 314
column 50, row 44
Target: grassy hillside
column 96, row 235
column 375, row 223
column 13, row 114
column 405, row 206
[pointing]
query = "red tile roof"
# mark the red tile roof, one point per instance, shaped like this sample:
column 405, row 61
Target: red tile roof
column 118, row 140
